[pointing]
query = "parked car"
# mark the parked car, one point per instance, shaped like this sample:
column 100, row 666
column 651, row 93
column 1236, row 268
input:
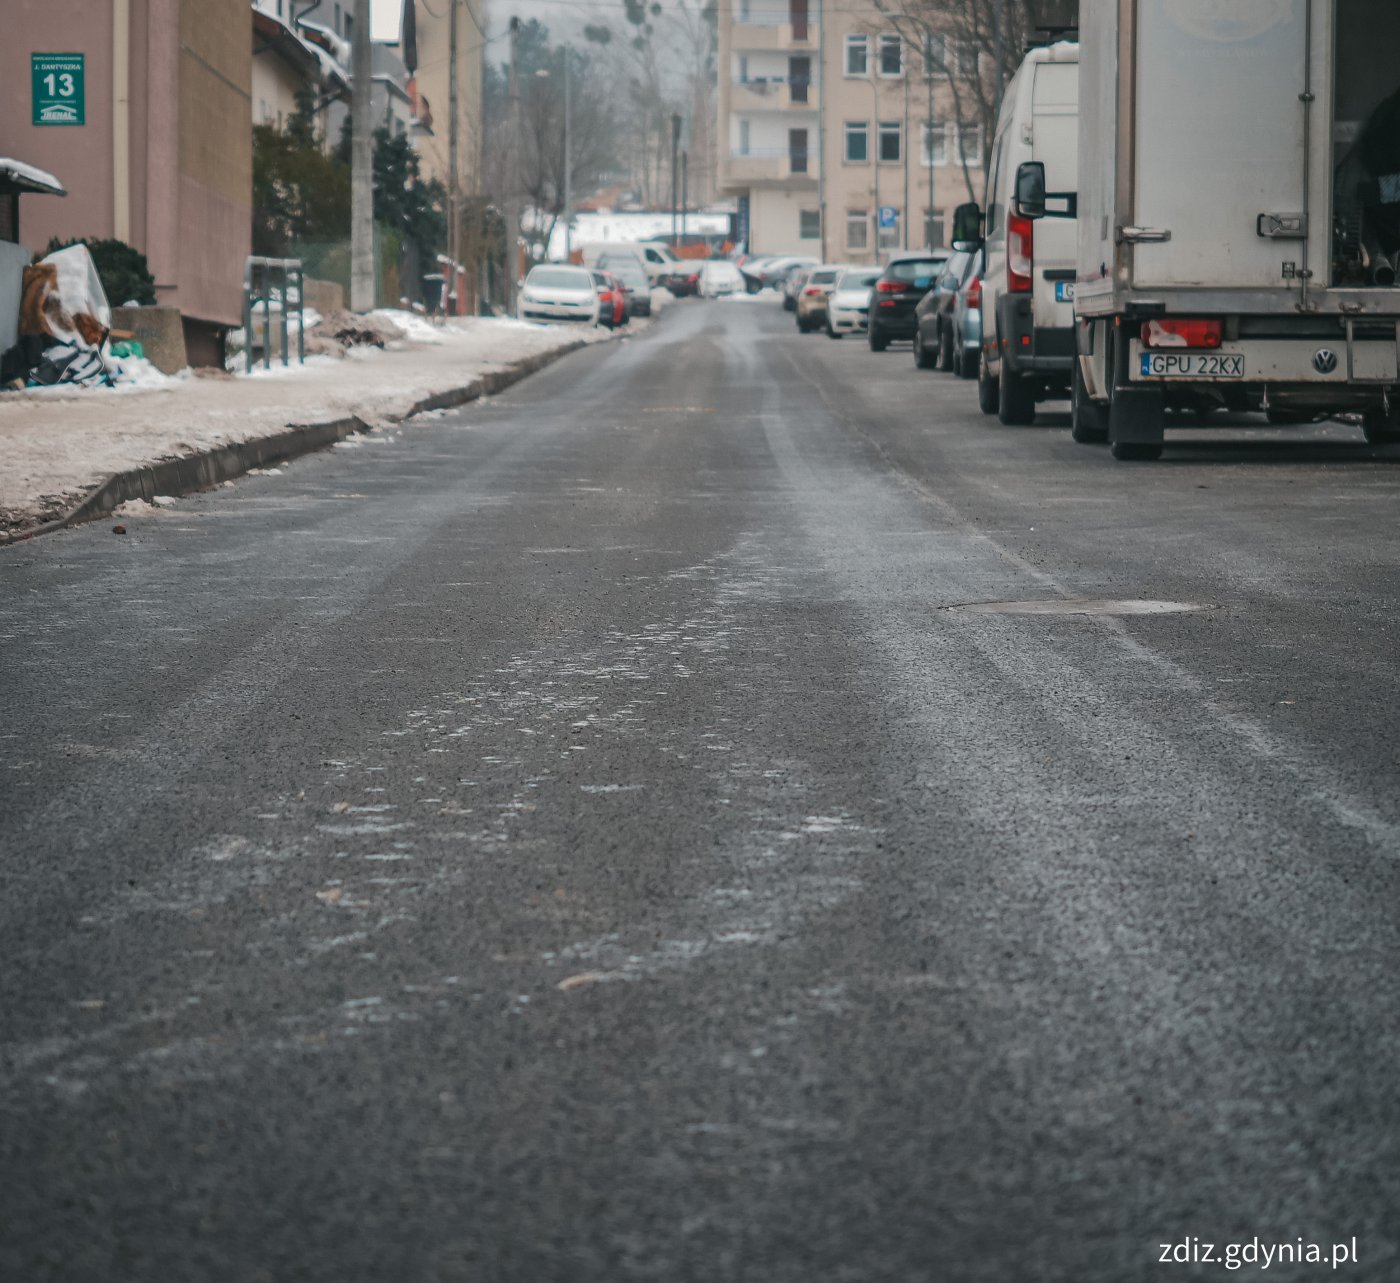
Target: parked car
column 848, row 304
column 933, row 317
column 811, row 303
column 907, row 277
column 554, row 292
column 612, row 299
column 774, row 273
column 1031, row 245
column 718, row 278
column 666, row 268
column 752, row 270
column 792, row 287
column 630, row 272
column 967, row 324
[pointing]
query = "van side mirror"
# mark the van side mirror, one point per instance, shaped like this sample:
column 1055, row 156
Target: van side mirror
column 967, row 226
column 1030, row 189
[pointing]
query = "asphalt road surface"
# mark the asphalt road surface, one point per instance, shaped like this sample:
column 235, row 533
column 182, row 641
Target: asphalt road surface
column 581, row 838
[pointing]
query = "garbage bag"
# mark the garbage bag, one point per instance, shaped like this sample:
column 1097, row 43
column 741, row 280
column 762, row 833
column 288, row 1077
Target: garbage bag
column 70, row 363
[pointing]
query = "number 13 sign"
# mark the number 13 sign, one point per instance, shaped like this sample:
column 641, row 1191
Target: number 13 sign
column 57, row 81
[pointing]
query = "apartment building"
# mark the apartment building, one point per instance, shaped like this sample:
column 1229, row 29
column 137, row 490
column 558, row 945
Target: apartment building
column 838, row 138
column 150, row 136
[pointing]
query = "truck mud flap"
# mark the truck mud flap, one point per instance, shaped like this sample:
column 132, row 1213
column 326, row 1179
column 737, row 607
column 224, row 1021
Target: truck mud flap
column 1137, row 415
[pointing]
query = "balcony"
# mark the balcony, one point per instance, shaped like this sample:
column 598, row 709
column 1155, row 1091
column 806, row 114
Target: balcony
column 772, row 94
column 769, row 167
column 772, row 33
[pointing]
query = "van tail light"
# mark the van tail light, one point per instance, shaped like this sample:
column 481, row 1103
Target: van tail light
column 812, row 291
column 974, row 292
column 1171, row 332
column 889, row 287
column 1020, row 254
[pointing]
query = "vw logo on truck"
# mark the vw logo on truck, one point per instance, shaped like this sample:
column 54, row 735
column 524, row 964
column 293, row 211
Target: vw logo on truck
column 1324, row 360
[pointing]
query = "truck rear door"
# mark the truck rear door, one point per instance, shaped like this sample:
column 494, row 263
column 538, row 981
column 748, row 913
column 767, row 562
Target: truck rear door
column 1219, row 140
column 1055, row 143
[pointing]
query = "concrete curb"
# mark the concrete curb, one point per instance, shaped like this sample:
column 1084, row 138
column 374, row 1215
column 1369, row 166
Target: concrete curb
column 208, row 468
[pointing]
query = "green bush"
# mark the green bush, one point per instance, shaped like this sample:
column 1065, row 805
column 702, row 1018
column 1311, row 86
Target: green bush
column 121, row 269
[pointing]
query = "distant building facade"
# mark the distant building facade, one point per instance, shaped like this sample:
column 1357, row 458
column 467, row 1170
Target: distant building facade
column 162, row 158
column 827, row 116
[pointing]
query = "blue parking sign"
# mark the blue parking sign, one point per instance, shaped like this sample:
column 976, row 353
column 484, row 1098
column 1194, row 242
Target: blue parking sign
column 889, row 216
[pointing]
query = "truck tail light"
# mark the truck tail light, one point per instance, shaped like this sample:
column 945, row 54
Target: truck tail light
column 1020, row 254
column 1171, row 332
column 974, row 293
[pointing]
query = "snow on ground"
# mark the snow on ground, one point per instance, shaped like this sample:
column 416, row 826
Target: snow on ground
column 63, row 441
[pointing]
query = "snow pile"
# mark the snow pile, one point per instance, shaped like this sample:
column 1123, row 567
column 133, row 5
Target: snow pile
column 416, row 328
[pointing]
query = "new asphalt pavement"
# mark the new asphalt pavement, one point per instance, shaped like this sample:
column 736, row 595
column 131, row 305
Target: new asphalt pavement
column 722, row 810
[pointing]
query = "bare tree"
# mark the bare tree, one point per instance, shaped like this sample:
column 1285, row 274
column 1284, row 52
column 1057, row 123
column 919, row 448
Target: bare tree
column 975, row 47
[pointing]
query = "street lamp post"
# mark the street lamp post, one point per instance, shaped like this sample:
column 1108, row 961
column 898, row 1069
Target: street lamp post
column 875, row 150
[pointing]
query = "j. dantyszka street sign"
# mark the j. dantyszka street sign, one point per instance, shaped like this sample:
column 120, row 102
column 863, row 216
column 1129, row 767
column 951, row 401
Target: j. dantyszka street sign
column 57, row 82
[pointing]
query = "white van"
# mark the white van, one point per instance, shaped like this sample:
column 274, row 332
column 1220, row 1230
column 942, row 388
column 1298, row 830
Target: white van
column 1029, row 237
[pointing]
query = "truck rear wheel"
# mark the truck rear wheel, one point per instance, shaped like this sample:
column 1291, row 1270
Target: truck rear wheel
column 1087, row 420
column 1128, row 451
column 1381, row 428
column 1015, row 396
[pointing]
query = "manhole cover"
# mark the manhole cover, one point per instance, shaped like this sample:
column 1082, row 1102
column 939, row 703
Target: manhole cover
column 1078, row 606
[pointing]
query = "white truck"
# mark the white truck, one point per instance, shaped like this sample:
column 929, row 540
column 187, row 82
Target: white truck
column 1239, row 214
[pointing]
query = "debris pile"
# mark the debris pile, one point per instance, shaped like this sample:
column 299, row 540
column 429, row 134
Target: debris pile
column 64, row 323
column 338, row 330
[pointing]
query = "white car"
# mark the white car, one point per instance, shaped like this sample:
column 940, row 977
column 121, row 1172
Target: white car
column 719, row 277
column 559, row 293
column 848, row 304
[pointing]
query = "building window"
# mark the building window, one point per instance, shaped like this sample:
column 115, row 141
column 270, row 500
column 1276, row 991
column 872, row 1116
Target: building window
column 933, row 229
column 809, row 224
column 799, row 77
column 797, row 151
column 935, row 144
column 857, row 229
column 743, row 138
column 935, row 54
column 891, row 56
column 968, row 59
column 970, row 144
column 857, row 141
column 857, row 55
column 889, row 235
column 743, row 69
column 890, row 138
column 743, row 10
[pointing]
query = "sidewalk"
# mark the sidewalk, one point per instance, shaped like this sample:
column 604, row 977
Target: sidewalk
column 57, row 445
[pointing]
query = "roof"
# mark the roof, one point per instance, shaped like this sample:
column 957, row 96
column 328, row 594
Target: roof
column 16, row 176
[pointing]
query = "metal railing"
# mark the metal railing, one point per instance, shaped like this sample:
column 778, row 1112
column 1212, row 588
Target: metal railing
column 263, row 280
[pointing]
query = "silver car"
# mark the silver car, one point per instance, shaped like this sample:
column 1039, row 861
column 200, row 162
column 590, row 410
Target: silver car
column 558, row 293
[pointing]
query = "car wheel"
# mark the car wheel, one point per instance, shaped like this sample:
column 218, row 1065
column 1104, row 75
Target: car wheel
column 1088, row 422
column 922, row 359
column 1015, row 397
column 831, row 334
column 878, row 342
column 945, row 348
column 987, row 391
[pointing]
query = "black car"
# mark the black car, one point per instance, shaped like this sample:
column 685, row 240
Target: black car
column 907, row 277
column 933, row 317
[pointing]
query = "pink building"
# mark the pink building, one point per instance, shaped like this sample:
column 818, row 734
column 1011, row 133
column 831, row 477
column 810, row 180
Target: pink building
column 162, row 158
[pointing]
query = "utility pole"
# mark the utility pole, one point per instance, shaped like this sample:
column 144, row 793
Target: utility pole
column 675, row 145
column 453, row 213
column 685, row 189
column 904, row 129
column 361, row 167
column 568, row 166
column 511, row 211
column 875, row 152
column 928, row 138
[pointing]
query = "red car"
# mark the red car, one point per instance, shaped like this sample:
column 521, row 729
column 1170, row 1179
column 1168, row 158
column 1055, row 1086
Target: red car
column 612, row 300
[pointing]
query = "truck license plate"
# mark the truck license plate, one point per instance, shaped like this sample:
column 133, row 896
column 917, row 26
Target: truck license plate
column 1193, row 365
column 1064, row 291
